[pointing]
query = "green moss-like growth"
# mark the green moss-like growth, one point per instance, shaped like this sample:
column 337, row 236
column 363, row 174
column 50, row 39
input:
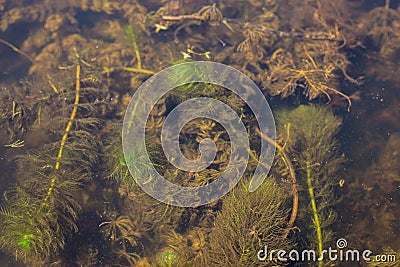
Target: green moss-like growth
column 249, row 222
column 311, row 141
column 117, row 163
column 40, row 213
column 168, row 258
column 115, row 160
column 32, row 231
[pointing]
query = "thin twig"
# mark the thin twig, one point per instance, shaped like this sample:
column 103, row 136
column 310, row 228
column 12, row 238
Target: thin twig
column 183, row 17
column 292, row 173
column 13, row 47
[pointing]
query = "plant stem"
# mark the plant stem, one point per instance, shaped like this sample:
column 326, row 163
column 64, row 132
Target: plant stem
column 292, row 173
column 315, row 212
column 66, row 132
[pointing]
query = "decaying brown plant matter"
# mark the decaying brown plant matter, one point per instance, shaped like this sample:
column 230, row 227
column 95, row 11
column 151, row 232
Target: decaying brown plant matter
column 285, row 76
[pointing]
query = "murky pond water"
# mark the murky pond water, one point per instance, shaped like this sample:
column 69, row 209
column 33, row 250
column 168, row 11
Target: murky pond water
column 72, row 75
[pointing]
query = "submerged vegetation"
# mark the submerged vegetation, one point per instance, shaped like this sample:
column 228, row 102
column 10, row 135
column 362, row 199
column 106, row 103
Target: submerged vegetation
column 247, row 223
column 311, row 141
column 41, row 211
column 60, row 129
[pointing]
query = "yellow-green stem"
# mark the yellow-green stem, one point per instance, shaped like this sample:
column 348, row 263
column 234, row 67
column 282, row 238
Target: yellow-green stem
column 315, row 212
column 137, row 53
column 66, row 132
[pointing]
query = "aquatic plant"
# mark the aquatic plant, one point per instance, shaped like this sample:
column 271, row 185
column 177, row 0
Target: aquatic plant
column 289, row 72
column 131, row 35
column 168, row 258
column 311, row 141
column 380, row 28
column 117, row 168
column 308, row 52
column 185, row 74
column 115, row 160
column 41, row 211
column 15, row 116
column 247, row 223
column 124, row 238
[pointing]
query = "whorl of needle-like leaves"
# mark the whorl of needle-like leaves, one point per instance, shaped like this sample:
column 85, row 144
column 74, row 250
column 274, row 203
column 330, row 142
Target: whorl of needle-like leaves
column 40, row 213
column 247, row 223
column 311, row 141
